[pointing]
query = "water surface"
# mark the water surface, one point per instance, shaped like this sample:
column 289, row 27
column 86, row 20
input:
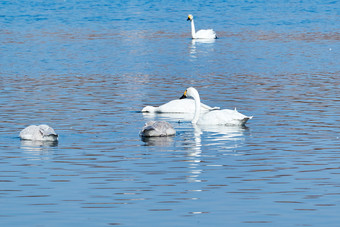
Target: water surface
column 88, row 68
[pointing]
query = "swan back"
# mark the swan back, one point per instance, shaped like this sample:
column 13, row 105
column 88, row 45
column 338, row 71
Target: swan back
column 206, row 34
column 223, row 117
column 178, row 106
column 157, row 128
column 40, row 132
column 214, row 117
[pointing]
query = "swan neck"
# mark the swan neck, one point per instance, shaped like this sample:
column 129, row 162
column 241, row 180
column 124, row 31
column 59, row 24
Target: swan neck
column 197, row 108
column 193, row 31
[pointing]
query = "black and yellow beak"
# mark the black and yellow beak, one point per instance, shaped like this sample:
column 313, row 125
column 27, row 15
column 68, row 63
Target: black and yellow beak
column 190, row 17
column 184, row 95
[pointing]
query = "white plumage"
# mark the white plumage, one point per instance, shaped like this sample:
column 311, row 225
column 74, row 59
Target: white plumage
column 39, row 132
column 215, row 117
column 157, row 128
column 178, row 106
column 201, row 34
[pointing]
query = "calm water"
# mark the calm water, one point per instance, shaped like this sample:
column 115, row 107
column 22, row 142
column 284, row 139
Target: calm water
column 88, row 67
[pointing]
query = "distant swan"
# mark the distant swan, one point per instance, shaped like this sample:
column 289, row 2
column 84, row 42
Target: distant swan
column 215, row 117
column 201, row 34
column 157, row 128
column 178, row 106
column 40, row 132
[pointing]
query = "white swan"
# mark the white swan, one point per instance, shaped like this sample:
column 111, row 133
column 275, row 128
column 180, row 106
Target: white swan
column 215, row 117
column 39, row 132
column 157, row 128
column 178, row 106
column 201, row 34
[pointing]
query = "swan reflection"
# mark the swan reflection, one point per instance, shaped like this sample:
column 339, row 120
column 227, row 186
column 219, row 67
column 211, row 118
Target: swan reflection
column 221, row 132
column 215, row 138
column 199, row 141
column 196, row 42
column 194, row 158
column 158, row 141
column 38, row 148
column 179, row 117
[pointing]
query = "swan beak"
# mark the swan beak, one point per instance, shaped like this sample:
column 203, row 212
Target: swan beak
column 190, row 17
column 184, row 95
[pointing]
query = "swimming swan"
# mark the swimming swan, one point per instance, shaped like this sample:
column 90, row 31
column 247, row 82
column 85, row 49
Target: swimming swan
column 178, row 106
column 201, row 34
column 40, row 132
column 157, row 128
column 215, row 117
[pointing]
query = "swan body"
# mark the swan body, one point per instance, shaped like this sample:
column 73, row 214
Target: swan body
column 39, row 132
column 178, row 106
column 201, row 34
column 157, row 128
column 215, row 117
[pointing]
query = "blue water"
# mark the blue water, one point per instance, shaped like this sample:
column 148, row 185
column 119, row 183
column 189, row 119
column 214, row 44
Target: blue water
column 87, row 68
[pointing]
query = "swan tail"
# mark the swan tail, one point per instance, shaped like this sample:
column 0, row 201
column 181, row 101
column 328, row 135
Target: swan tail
column 148, row 130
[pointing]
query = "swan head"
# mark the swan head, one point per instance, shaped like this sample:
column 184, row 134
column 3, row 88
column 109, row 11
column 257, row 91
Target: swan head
column 48, row 133
column 149, row 109
column 190, row 92
column 190, row 17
